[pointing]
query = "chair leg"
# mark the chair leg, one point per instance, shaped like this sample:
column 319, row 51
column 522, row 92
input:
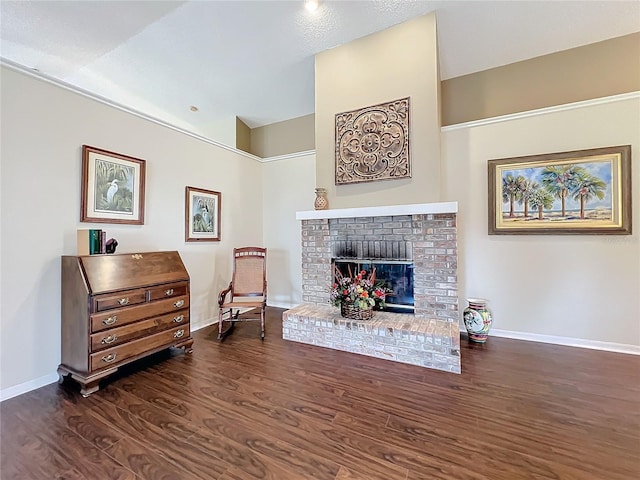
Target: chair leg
column 220, row 315
column 262, row 323
column 223, row 332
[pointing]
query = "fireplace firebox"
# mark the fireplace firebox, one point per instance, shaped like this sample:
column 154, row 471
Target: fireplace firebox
column 397, row 276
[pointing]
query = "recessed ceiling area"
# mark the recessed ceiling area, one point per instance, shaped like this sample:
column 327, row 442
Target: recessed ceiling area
column 255, row 59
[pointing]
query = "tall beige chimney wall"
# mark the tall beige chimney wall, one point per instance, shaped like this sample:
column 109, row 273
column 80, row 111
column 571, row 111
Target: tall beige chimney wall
column 401, row 61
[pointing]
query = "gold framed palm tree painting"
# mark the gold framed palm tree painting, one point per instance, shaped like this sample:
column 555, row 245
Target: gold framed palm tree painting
column 577, row 192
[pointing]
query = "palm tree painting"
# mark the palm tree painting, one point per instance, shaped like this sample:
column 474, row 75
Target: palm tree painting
column 579, row 191
column 570, row 191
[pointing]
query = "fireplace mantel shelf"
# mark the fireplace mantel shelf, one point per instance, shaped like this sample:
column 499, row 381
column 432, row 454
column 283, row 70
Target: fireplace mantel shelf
column 413, row 209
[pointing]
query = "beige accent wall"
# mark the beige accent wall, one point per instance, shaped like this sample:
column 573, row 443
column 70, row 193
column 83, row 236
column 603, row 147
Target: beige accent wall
column 597, row 70
column 394, row 63
column 243, row 136
column 295, row 135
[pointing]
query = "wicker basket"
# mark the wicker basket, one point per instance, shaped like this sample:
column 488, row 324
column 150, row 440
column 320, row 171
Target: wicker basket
column 349, row 310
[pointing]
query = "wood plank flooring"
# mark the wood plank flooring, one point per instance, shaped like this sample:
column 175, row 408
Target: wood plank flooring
column 278, row 410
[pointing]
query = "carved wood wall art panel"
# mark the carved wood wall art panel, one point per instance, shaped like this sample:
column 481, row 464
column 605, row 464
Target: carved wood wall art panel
column 372, row 143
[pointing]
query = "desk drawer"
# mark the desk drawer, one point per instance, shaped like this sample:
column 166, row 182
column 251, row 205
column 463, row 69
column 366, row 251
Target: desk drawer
column 124, row 316
column 168, row 291
column 120, row 299
column 116, row 355
column 116, row 336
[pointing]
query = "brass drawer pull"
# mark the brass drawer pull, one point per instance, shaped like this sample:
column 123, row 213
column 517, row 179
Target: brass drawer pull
column 109, row 339
column 109, row 358
column 178, row 334
column 179, row 303
column 178, row 319
column 123, row 301
column 168, row 292
column 136, row 256
column 110, row 320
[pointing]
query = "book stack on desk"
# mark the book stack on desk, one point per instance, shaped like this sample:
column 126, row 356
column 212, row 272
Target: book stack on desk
column 91, row 241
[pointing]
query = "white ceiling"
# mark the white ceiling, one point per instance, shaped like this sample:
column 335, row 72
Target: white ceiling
column 255, row 59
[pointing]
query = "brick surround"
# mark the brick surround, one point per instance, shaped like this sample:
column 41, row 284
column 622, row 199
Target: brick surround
column 430, row 240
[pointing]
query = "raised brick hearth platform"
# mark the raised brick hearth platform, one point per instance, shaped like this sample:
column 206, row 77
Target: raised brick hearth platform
column 393, row 336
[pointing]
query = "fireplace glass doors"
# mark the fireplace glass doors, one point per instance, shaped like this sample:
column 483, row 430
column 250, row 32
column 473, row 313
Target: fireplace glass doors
column 397, row 275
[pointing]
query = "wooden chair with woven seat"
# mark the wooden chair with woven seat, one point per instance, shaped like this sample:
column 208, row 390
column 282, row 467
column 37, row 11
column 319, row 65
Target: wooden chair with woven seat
column 247, row 291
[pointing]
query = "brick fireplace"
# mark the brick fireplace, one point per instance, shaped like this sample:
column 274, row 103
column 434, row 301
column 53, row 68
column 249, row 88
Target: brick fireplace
column 423, row 233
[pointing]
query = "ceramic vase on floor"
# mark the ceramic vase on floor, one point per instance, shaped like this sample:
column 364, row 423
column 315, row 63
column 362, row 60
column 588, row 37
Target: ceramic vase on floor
column 477, row 319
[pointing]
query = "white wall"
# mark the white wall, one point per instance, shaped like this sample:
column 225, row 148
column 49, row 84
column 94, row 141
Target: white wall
column 579, row 286
column 43, row 130
column 288, row 187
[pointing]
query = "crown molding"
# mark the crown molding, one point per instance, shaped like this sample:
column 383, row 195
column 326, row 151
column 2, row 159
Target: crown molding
column 288, row 156
column 459, row 126
column 92, row 96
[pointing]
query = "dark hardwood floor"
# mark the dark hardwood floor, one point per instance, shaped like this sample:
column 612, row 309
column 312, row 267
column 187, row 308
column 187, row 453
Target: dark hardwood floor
column 278, row 410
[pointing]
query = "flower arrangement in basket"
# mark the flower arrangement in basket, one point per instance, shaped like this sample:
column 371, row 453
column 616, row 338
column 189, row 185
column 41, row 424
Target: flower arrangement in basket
column 358, row 295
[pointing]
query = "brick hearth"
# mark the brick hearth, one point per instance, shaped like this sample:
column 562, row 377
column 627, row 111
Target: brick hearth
column 392, row 336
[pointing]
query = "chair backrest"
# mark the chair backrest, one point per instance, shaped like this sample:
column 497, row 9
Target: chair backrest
column 249, row 272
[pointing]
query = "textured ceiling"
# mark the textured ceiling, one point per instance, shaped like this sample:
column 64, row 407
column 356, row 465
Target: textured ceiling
column 255, row 59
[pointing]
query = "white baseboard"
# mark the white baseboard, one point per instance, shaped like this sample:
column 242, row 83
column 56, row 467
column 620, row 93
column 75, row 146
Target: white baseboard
column 25, row 387
column 282, row 305
column 205, row 323
column 567, row 341
column 214, row 321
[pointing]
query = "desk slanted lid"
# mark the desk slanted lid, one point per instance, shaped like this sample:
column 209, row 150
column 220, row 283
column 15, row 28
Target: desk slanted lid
column 106, row 273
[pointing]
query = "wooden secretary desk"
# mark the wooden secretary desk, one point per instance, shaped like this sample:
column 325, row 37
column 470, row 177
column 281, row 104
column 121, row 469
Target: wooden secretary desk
column 119, row 308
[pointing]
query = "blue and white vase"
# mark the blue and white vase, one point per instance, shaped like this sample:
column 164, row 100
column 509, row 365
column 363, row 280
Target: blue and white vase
column 477, row 319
